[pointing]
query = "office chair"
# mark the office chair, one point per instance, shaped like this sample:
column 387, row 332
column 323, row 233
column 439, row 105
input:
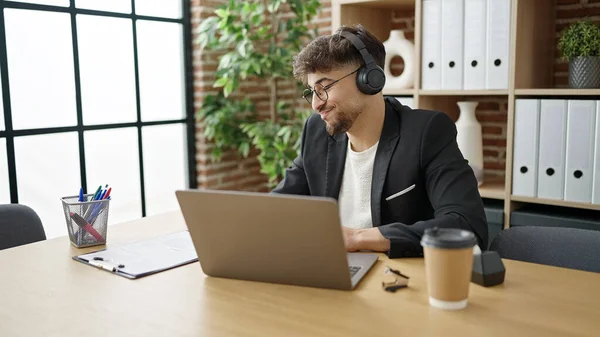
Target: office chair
column 572, row 248
column 19, row 225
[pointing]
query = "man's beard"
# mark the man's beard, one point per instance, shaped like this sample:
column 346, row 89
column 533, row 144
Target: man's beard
column 343, row 123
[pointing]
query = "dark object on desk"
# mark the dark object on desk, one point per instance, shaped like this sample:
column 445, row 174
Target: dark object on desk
column 488, row 269
column 19, row 225
column 400, row 280
column 560, row 247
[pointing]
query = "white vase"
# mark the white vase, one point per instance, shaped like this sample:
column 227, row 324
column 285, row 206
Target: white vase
column 469, row 138
column 398, row 45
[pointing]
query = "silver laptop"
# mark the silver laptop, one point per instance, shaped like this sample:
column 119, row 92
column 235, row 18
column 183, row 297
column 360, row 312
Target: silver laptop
column 271, row 238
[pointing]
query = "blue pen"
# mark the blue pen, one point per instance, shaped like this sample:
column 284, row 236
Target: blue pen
column 98, row 190
column 96, row 208
column 94, row 217
column 78, row 233
column 94, row 198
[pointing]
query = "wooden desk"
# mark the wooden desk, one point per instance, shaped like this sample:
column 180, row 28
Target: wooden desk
column 46, row 293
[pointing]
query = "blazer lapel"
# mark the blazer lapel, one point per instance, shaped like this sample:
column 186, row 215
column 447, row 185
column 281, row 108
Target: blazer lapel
column 387, row 143
column 336, row 158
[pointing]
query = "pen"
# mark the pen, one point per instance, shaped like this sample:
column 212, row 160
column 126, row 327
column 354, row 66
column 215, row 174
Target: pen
column 85, row 225
column 107, row 194
column 96, row 193
column 96, row 208
column 96, row 213
column 92, row 207
column 81, row 199
column 87, row 210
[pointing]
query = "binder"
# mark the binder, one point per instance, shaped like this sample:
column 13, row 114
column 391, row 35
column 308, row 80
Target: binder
column 596, row 164
column 474, row 41
column 452, row 44
column 498, row 36
column 551, row 165
column 525, row 154
column 581, row 120
column 431, row 70
column 145, row 257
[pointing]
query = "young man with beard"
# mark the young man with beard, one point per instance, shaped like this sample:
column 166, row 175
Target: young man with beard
column 394, row 171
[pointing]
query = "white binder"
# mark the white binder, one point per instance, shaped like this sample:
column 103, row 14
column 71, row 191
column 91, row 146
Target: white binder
column 551, row 165
column 525, row 154
column 498, row 36
column 452, row 44
column 431, row 70
column 596, row 164
column 581, row 124
column 474, row 41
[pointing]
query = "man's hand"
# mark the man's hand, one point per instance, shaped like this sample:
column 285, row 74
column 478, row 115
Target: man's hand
column 365, row 239
column 351, row 238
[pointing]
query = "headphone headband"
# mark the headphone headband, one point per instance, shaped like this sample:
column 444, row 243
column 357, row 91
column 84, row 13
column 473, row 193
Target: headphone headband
column 360, row 46
column 370, row 78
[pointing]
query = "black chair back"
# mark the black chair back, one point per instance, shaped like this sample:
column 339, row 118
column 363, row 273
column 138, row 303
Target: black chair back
column 19, row 225
column 555, row 246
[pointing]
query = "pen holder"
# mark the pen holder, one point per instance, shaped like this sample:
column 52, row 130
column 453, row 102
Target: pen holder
column 87, row 221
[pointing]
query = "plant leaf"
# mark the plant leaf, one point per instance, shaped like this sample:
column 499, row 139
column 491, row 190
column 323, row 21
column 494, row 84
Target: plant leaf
column 220, row 82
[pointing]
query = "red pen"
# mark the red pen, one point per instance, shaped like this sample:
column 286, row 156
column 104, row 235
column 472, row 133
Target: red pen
column 107, row 194
column 85, row 225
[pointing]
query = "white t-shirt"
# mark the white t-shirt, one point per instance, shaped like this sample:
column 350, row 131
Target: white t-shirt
column 355, row 193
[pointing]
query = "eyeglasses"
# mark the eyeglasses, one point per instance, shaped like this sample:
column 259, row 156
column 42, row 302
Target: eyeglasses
column 321, row 90
column 400, row 281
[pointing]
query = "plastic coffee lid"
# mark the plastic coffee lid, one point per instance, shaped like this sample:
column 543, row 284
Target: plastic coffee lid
column 449, row 238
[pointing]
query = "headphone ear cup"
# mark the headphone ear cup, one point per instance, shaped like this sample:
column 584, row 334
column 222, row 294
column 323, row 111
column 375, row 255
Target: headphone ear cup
column 370, row 81
column 376, row 79
column 362, row 80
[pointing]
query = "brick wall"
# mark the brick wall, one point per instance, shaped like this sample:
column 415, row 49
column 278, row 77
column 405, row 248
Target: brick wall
column 233, row 172
column 567, row 12
column 492, row 113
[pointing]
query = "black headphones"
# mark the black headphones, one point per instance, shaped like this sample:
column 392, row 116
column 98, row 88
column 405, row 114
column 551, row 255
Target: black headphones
column 370, row 78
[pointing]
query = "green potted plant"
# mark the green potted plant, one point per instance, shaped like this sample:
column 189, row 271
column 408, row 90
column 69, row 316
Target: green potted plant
column 258, row 39
column 580, row 45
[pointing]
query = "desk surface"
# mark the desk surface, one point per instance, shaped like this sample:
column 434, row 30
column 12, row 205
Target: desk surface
column 46, row 293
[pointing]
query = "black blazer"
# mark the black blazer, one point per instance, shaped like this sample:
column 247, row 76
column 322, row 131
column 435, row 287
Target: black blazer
column 416, row 147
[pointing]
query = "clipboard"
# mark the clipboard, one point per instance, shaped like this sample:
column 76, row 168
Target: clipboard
column 144, row 257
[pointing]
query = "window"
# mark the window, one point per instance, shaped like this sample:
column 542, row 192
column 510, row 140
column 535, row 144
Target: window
column 41, row 75
column 4, row 186
column 97, row 95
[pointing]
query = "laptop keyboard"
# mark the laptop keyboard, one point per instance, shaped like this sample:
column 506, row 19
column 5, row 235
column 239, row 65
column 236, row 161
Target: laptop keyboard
column 354, row 270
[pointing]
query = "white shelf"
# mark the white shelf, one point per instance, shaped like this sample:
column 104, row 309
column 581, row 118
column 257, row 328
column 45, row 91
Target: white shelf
column 554, row 202
column 557, row 92
column 463, row 92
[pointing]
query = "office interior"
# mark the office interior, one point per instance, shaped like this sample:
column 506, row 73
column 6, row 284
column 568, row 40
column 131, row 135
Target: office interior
column 116, row 95
column 98, row 94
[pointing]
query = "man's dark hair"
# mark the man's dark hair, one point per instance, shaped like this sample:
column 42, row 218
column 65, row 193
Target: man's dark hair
column 330, row 52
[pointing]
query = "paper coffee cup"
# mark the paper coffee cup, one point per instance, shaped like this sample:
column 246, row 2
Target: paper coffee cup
column 448, row 265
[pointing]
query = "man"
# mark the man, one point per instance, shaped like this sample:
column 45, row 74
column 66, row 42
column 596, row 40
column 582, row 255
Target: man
column 394, row 171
